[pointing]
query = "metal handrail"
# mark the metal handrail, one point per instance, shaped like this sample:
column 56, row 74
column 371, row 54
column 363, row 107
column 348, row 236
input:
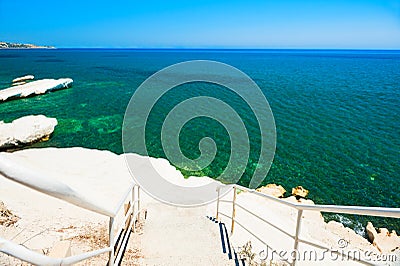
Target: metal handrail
column 123, row 199
column 115, row 240
column 300, row 207
column 25, row 254
column 49, row 186
column 359, row 210
column 265, row 221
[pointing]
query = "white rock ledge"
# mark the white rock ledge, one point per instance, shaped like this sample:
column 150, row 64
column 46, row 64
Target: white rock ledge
column 25, row 130
column 24, row 78
column 35, row 87
column 103, row 177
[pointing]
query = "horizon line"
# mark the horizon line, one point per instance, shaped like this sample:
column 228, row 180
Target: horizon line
column 203, row 48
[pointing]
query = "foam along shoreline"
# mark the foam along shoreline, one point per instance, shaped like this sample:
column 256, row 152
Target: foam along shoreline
column 103, row 175
column 35, row 88
column 26, row 130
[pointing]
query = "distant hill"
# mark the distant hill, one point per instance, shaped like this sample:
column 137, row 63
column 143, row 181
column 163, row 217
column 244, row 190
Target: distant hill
column 9, row 45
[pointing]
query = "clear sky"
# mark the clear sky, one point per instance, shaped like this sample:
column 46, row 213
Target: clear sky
column 372, row 24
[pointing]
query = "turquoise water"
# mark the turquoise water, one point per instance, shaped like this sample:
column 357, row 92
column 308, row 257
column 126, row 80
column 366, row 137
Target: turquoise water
column 337, row 113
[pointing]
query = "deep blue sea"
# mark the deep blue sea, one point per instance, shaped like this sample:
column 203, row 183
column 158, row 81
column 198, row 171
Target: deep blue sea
column 337, row 113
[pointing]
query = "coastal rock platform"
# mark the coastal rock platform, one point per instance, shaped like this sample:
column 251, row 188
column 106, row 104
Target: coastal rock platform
column 25, row 130
column 170, row 235
column 35, row 88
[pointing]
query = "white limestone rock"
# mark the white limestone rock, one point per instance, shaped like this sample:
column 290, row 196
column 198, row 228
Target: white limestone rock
column 35, row 87
column 299, row 191
column 273, row 190
column 384, row 241
column 25, row 130
column 24, row 78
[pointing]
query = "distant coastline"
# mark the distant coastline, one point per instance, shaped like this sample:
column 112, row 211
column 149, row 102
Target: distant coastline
column 9, row 45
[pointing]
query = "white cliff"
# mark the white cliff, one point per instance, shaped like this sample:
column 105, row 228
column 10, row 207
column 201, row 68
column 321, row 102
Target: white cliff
column 103, row 176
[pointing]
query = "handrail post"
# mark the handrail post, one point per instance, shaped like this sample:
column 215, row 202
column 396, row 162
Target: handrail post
column 218, row 191
column 133, row 210
column 233, row 209
column 138, row 202
column 111, row 241
column 296, row 237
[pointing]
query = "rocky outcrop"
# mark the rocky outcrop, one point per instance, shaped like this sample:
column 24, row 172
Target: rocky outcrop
column 103, row 176
column 347, row 237
column 34, row 88
column 10, row 45
column 18, row 83
column 25, row 130
column 299, row 192
column 272, row 190
column 24, row 78
column 384, row 241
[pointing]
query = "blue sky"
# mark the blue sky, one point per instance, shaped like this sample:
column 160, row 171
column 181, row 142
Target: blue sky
column 371, row 24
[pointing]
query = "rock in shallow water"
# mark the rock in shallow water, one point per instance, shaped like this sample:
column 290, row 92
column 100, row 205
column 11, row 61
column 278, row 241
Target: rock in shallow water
column 35, row 88
column 24, row 78
column 25, row 130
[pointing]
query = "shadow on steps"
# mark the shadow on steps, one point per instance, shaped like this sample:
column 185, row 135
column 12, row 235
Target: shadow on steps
column 225, row 243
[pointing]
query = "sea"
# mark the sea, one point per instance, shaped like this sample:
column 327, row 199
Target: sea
column 337, row 114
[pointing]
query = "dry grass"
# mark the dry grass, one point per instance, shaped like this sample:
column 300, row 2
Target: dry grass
column 96, row 236
column 132, row 257
column 246, row 253
column 7, row 218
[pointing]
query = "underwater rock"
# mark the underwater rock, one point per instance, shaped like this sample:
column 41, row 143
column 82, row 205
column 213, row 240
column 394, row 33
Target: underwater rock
column 25, row 130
